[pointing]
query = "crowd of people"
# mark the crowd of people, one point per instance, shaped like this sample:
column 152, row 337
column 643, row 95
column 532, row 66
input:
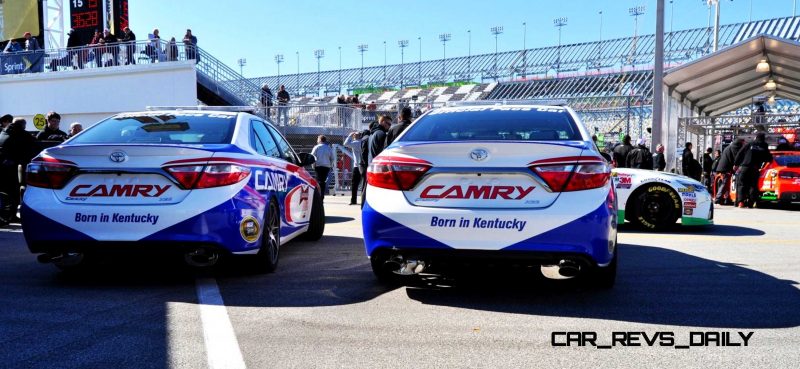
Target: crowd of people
column 364, row 146
column 104, row 48
column 17, row 148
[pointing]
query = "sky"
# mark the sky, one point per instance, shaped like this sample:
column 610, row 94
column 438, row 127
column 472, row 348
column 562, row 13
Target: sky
column 257, row 30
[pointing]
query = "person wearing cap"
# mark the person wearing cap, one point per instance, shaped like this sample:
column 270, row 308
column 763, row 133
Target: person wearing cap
column 129, row 38
column 31, row 43
column 640, row 157
column 659, row 161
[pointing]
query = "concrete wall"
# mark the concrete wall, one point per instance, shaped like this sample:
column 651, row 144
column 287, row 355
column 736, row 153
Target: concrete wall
column 90, row 95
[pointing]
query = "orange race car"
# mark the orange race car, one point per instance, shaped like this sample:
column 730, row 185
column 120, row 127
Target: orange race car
column 779, row 180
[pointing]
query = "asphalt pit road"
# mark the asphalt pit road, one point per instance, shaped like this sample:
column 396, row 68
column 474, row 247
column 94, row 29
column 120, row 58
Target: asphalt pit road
column 654, row 286
column 335, row 219
column 712, row 230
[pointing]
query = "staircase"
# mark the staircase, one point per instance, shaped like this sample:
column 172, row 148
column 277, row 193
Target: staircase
column 218, row 84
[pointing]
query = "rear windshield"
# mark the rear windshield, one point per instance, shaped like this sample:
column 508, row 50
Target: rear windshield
column 494, row 123
column 160, row 128
column 788, row 160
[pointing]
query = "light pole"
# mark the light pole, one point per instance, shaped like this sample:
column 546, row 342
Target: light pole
column 635, row 12
column 524, row 49
column 403, row 44
column 496, row 31
column 384, row 63
column 297, row 54
column 362, row 48
column 444, row 37
column 279, row 60
column 716, row 23
column 242, row 62
column 340, row 69
column 469, row 53
column 319, row 54
column 559, row 23
column 419, row 64
column 600, row 44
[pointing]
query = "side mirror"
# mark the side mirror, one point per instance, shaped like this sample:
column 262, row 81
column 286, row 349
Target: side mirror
column 306, row 159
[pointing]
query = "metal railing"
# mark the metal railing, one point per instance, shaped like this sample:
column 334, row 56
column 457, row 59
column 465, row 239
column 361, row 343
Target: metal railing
column 211, row 73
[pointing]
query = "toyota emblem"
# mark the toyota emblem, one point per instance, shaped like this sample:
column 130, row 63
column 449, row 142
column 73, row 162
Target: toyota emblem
column 118, row 156
column 479, row 154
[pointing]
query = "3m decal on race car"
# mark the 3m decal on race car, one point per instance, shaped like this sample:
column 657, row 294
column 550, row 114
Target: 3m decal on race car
column 623, row 180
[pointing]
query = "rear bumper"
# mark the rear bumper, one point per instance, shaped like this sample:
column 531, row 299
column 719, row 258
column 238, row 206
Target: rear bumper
column 591, row 236
column 789, row 196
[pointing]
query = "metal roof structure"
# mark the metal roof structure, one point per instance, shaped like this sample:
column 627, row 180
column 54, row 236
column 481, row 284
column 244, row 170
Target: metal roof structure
column 727, row 80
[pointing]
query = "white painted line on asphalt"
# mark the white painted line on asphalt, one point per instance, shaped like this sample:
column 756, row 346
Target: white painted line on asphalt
column 221, row 344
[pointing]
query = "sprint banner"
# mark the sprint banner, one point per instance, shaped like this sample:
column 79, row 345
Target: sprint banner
column 21, row 62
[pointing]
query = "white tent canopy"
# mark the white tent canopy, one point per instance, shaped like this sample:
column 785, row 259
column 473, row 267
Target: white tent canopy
column 727, row 80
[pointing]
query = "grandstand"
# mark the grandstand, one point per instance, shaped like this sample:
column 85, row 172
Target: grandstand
column 609, row 82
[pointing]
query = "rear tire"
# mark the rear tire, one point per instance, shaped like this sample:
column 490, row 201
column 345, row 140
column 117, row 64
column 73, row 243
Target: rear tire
column 654, row 207
column 316, row 225
column 269, row 253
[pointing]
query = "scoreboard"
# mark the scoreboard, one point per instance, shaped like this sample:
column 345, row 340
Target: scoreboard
column 86, row 16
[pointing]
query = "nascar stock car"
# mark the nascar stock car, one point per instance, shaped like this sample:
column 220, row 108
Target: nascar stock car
column 509, row 183
column 655, row 200
column 779, row 180
column 201, row 183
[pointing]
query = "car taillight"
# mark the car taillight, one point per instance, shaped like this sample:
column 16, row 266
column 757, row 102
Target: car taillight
column 395, row 175
column 574, row 177
column 207, row 176
column 49, row 175
column 788, row 175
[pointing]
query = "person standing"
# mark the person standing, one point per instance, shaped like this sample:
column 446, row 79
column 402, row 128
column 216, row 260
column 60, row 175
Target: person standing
column 51, row 131
column 190, row 43
column 621, row 152
column 113, row 48
column 5, row 121
column 16, row 149
column 266, row 98
column 326, row 159
column 659, row 161
column 353, row 141
column 640, row 157
column 31, row 43
column 690, row 166
column 74, row 129
column 129, row 38
column 375, row 145
column 397, row 129
column 725, row 167
column 708, row 161
column 750, row 160
column 283, row 100
column 73, row 45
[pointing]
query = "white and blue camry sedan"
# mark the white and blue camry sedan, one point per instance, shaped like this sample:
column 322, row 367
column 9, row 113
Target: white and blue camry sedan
column 518, row 183
column 200, row 183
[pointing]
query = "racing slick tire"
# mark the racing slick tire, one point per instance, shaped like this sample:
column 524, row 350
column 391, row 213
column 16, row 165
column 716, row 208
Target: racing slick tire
column 316, row 225
column 268, row 255
column 654, row 208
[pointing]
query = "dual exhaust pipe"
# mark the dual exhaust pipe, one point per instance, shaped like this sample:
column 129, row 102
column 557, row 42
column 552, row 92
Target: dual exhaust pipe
column 566, row 267
column 199, row 257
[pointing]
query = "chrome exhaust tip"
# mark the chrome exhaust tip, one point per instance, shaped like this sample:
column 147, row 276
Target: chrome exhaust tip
column 568, row 268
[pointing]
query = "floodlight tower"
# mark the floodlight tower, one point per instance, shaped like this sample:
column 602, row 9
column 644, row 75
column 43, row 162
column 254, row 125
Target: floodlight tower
column 242, row 62
column 403, row 44
column 524, row 49
column 496, row 31
column 362, row 48
column 559, row 23
column 715, row 3
column 279, row 60
column 469, row 53
column 635, row 12
column 319, row 54
column 444, row 37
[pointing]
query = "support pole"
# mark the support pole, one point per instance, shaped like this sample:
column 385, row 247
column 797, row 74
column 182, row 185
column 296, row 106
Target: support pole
column 658, row 79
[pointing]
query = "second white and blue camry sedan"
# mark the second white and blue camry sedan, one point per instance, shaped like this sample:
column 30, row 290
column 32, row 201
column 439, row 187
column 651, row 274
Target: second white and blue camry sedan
column 201, row 183
column 519, row 183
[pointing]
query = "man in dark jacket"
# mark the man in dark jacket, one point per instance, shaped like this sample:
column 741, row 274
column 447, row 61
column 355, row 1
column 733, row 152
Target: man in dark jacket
column 73, row 43
column 16, row 149
column 621, row 152
column 690, row 167
column 51, row 131
column 129, row 38
column 640, row 157
column 725, row 167
column 377, row 137
column 113, row 48
column 660, row 162
column 707, row 162
column 397, row 129
column 283, row 100
column 750, row 160
column 266, row 98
